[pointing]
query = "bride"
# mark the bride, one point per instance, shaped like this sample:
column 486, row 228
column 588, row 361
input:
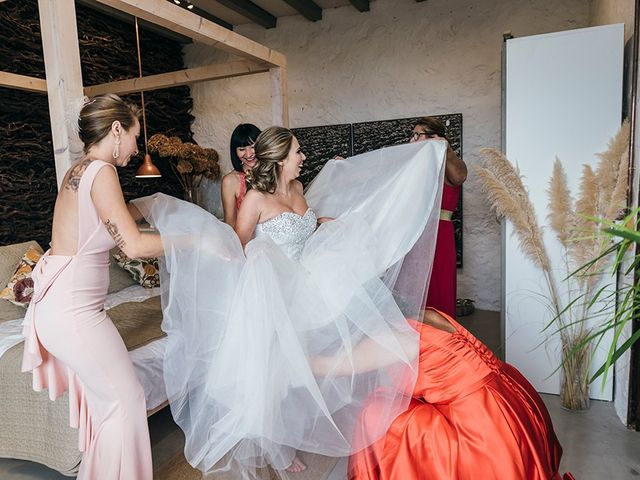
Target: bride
column 319, row 275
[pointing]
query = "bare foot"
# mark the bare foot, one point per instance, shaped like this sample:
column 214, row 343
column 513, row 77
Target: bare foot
column 296, row 466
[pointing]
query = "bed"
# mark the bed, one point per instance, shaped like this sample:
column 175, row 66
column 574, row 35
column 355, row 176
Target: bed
column 34, row 428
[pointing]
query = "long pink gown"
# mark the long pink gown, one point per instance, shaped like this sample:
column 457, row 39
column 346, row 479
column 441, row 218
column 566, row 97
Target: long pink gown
column 71, row 344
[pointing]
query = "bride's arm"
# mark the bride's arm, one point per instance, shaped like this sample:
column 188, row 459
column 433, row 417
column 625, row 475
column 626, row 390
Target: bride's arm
column 366, row 356
column 248, row 216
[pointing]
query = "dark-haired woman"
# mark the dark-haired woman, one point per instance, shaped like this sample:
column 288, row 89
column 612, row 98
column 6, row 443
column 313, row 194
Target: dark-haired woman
column 243, row 158
column 70, row 342
column 442, row 291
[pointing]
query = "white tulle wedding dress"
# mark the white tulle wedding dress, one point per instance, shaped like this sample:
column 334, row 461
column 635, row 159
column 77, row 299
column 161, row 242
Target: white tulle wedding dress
column 247, row 328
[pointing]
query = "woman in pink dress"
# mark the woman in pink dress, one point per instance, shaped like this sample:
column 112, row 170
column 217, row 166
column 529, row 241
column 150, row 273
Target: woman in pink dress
column 243, row 158
column 441, row 294
column 70, row 342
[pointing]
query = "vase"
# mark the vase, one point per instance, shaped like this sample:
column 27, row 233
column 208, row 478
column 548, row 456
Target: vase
column 574, row 382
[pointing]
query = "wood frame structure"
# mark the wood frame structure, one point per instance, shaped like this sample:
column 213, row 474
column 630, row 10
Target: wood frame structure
column 64, row 77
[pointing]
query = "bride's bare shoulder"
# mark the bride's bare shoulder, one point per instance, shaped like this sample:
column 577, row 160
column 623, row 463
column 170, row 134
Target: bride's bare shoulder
column 254, row 198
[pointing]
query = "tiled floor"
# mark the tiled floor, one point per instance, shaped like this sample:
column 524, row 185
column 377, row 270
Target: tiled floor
column 596, row 444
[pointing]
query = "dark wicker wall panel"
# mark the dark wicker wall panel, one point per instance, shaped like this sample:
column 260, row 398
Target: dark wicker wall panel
column 108, row 52
column 320, row 144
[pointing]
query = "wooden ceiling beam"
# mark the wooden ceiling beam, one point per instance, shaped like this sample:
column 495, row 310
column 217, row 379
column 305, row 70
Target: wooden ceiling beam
column 250, row 10
column 361, row 5
column 23, row 82
column 307, row 8
column 178, row 78
column 209, row 16
column 179, row 20
column 128, row 19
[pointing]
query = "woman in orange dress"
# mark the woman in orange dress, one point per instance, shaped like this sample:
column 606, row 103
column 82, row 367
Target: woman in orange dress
column 471, row 416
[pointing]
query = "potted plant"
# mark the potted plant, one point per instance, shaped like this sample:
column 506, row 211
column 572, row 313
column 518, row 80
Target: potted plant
column 190, row 162
column 602, row 194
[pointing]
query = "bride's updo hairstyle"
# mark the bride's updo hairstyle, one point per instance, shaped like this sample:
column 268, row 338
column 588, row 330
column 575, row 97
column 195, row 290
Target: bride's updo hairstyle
column 98, row 114
column 272, row 146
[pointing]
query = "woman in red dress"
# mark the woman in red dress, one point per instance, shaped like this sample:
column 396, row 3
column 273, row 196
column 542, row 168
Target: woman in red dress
column 441, row 294
column 471, row 416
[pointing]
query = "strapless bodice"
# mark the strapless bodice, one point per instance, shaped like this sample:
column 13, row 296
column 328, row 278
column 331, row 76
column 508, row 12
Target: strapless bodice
column 289, row 230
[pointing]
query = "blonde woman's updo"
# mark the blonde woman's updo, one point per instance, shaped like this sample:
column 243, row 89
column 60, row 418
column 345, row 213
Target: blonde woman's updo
column 272, row 146
column 99, row 113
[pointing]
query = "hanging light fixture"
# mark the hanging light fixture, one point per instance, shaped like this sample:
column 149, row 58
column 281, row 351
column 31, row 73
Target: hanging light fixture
column 147, row 169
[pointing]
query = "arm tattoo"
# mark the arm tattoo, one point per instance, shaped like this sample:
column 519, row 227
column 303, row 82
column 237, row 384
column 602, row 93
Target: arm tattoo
column 112, row 228
column 73, row 180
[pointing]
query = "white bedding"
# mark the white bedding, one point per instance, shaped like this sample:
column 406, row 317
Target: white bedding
column 147, row 360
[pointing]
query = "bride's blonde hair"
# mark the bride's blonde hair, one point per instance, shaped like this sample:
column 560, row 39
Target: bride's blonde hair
column 271, row 147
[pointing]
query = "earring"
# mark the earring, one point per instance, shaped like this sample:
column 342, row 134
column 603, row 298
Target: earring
column 116, row 149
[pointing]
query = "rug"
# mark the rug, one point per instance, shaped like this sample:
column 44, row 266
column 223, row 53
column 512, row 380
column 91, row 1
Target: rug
column 318, row 468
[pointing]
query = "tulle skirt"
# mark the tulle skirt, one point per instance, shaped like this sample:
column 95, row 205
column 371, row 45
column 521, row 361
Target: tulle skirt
column 267, row 354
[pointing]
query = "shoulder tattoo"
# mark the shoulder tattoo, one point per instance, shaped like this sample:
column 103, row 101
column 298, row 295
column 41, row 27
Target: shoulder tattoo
column 73, row 180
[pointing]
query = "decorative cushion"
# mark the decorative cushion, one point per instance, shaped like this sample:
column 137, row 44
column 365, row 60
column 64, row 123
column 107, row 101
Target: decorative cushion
column 20, row 287
column 10, row 256
column 119, row 279
column 145, row 271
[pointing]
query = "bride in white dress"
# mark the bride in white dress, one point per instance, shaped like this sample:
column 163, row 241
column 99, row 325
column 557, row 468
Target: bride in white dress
column 331, row 275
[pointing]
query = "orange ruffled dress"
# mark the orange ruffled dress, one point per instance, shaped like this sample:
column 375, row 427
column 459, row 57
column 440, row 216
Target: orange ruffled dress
column 471, row 417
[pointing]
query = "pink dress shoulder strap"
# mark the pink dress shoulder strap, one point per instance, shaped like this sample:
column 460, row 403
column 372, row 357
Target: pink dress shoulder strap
column 88, row 218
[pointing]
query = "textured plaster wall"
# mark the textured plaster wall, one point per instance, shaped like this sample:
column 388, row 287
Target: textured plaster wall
column 401, row 59
column 606, row 12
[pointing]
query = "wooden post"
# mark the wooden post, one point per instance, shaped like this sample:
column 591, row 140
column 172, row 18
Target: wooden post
column 279, row 98
column 64, row 77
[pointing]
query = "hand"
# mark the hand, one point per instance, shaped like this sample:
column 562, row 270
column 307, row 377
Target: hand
column 338, row 157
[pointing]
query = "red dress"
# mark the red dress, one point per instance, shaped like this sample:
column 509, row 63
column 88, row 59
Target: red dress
column 471, row 417
column 442, row 287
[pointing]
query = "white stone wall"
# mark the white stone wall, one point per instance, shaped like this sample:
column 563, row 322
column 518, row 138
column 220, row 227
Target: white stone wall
column 401, row 59
column 606, row 12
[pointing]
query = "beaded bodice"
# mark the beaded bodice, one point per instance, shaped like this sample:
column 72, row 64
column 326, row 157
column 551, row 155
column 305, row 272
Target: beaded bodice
column 290, row 231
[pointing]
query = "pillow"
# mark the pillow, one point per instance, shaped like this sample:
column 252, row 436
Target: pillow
column 145, row 271
column 20, row 287
column 10, row 256
column 119, row 279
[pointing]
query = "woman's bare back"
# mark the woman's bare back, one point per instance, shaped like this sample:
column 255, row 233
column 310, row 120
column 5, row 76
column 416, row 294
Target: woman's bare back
column 64, row 235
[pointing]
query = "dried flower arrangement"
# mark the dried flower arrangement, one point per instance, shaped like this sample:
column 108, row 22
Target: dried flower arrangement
column 576, row 224
column 190, row 162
